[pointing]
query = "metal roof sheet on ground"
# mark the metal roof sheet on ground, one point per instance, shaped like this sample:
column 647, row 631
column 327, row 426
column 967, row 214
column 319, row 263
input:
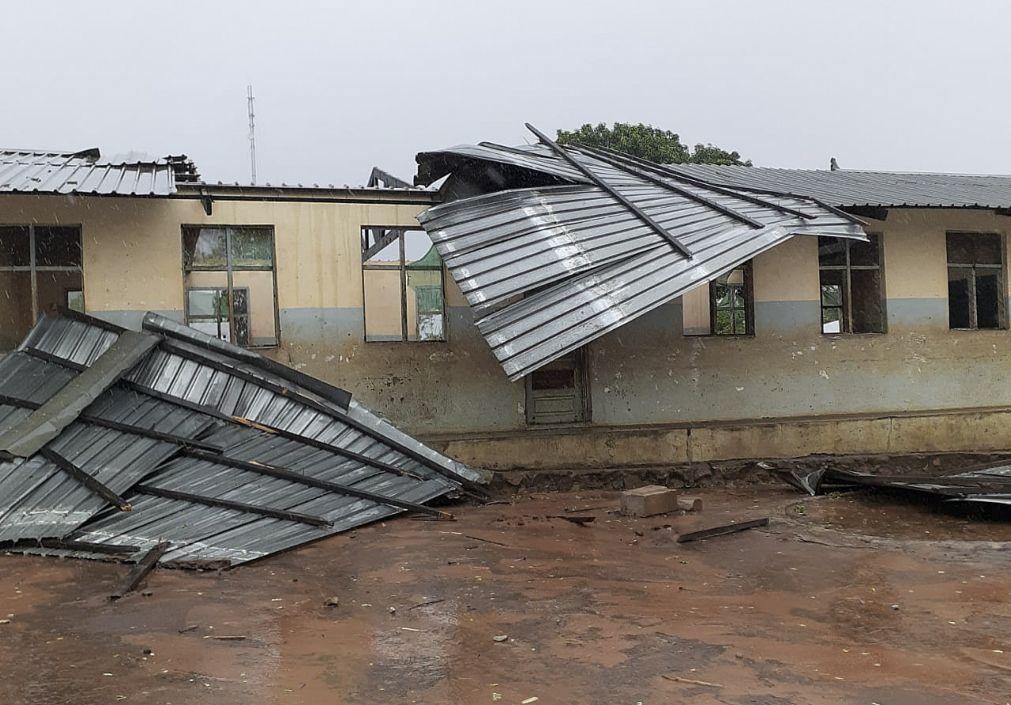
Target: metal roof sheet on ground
column 592, row 241
column 854, row 188
column 84, row 172
column 223, row 454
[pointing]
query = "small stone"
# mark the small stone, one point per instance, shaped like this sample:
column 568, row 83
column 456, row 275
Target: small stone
column 333, row 602
column 148, row 652
column 895, row 607
column 500, row 638
column 393, row 610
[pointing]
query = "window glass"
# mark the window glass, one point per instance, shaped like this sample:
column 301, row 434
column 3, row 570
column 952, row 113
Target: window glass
column 975, row 280
column 403, row 286
column 57, row 247
column 864, row 254
column 987, row 298
column 15, row 308
column 851, row 286
column 866, row 309
column 959, row 297
column 15, row 247
column 31, row 286
column 251, row 247
column 231, row 297
column 205, row 247
column 831, row 251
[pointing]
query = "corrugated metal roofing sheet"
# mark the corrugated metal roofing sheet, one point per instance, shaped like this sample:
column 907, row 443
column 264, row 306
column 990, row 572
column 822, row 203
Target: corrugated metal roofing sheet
column 851, row 188
column 27, row 171
column 552, row 266
column 221, row 454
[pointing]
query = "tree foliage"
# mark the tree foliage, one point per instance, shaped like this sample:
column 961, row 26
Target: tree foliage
column 648, row 142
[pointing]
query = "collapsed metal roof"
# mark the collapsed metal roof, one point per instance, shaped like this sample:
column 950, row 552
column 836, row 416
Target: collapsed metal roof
column 117, row 442
column 555, row 246
column 988, row 484
column 854, row 189
column 85, row 173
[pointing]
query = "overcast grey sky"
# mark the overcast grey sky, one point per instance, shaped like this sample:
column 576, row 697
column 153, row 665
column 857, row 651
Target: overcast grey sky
column 893, row 84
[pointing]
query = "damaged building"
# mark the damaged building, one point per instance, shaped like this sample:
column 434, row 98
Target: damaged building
column 840, row 311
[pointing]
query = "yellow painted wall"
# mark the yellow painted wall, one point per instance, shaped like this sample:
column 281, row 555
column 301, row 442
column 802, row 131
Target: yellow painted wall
column 785, row 272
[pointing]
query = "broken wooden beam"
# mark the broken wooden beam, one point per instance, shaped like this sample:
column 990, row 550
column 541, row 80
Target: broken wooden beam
column 140, row 571
column 723, row 530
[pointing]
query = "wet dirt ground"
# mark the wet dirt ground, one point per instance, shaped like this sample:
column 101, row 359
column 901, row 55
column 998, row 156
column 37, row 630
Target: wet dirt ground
column 853, row 598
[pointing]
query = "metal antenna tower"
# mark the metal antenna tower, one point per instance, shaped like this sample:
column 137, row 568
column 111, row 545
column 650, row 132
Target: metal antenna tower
column 252, row 134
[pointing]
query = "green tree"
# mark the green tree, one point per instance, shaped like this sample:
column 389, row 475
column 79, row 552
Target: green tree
column 648, row 142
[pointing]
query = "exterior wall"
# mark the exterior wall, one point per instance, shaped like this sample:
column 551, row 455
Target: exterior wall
column 645, row 378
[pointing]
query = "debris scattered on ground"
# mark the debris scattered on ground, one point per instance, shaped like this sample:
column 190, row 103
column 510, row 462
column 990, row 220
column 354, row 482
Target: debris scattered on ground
column 722, row 530
column 500, row 638
column 172, row 433
column 189, row 628
column 578, row 520
column 226, row 637
column 688, row 503
column 648, row 501
column 690, row 681
column 425, row 604
column 333, row 601
column 983, row 485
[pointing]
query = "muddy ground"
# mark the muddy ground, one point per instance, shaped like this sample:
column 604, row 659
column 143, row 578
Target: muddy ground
column 855, row 598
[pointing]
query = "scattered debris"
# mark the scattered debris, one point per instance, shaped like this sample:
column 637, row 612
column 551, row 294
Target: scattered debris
column 425, row 604
column 500, row 638
column 189, row 628
column 333, row 601
column 577, row 520
column 226, row 637
column 172, row 433
column 982, row 485
column 140, row 571
column 689, row 503
column 722, row 530
column 530, row 700
column 690, row 681
column 478, row 538
column 648, row 501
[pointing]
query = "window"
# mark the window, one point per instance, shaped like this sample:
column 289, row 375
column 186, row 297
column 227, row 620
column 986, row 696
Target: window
column 40, row 269
column 230, row 283
column 723, row 307
column 851, row 285
column 975, row 281
column 403, row 285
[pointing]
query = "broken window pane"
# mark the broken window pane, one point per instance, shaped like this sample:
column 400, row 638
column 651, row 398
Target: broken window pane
column 831, row 320
column 851, row 294
column 75, row 300
column 959, row 297
column 865, row 254
column 230, row 284
column 831, row 252
column 403, row 286
column 15, row 247
column 205, row 248
column 251, row 247
column 57, row 247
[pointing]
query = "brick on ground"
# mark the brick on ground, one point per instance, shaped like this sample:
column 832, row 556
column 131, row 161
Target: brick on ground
column 648, row 501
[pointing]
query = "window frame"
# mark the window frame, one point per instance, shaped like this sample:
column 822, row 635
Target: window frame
column 401, row 231
column 33, row 269
column 748, row 291
column 847, row 295
column 1002, row 297
column 229, row 270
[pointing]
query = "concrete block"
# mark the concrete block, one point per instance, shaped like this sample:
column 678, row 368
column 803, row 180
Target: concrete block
column 648, row 501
